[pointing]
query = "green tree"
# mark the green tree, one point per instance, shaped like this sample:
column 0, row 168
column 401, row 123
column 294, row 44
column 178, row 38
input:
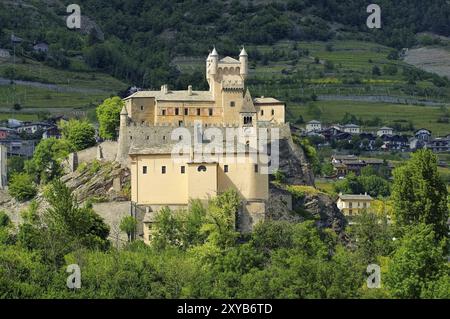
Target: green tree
column 419, row 194
column 166, row 230
column 372, row 236
column 327, row 169
column 45, row 164
column 128, row 225
column 417, row 263
column 376, row 70
column 80, row 134
column 71, row 225
column 22, row 186
column 4, row 219
column 220, row 220
column 108, row 115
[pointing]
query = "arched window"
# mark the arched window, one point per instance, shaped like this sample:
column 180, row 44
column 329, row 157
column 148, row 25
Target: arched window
column 201, row 168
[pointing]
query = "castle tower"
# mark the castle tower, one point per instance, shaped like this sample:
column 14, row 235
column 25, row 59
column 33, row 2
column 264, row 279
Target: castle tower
column 243, row 59
column 122, row 143
column 211, row 68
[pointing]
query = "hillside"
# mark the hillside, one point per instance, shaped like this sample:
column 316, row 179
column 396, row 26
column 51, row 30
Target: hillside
column 310, row 54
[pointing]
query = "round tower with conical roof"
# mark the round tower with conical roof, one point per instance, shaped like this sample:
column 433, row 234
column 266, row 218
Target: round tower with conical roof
column 123, row 140
column 243, row 59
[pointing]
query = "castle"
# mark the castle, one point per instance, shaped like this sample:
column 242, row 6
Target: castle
column 150, row 123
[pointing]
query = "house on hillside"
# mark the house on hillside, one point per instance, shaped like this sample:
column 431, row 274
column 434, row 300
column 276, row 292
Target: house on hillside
column 31, row 128
column 4, row 54
column 351, row 204
column 395, row 142
column 439, row 144
column 6, row 132
column 423, row 134
column 345, row 164
column 16, row 146
column 51, row 131
column 40, row 47
column 352, row 129
column 385, row 131
column 313, row 126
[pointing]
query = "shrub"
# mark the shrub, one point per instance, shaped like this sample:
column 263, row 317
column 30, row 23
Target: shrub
column 22, row 187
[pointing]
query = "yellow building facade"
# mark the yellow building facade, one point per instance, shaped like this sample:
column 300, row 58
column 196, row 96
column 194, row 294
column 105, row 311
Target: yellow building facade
column 223, row 103
column 159, row 180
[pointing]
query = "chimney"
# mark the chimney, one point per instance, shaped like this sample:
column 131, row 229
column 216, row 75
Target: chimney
column 164, row 88
column 190, row 90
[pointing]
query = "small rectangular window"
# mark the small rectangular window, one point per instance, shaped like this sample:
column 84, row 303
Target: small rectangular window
column 232, row 104
column 198, row 112
column 225, row 168
column 183, row 169
column 163, row 112
column 210, row 111
column 144, row 169
column 142, row 107
column 273, row 112
column 163, row 170
column 186, row 111
column 262, row 112
column 177, row 111
column 256, row 168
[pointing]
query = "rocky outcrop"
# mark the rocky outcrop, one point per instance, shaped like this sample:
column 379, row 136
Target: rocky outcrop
column 103, row 181
column 307, row 204
column 324, row 210
column 292, row 161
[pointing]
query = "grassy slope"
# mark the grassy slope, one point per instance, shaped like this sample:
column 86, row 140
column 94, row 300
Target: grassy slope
column 89, row 88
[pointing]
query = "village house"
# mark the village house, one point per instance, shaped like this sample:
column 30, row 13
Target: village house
column 4, row 54
column 40, row 47
column 313, row 126
column 31, row 128
column 439, row 144
column 385, row 131
column 352, row 205
column 345, row 164
column 352, row 128
column 423, row 134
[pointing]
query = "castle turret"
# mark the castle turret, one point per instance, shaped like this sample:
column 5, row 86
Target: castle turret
column 123, row 116
column 243, row 59
column 122, row 142
column 214, row 61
